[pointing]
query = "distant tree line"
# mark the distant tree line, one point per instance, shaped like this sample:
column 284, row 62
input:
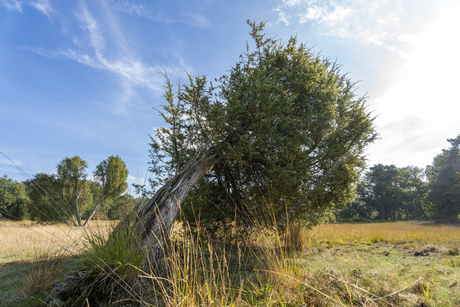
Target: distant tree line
column 386, row 192
column 390, row 193
column 68, row 195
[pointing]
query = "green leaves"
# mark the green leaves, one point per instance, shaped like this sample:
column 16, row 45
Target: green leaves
column 68, row 195
column 281, row 119
column 72, row 169
column 13, row 199
column 444, row 178
column 112, row 174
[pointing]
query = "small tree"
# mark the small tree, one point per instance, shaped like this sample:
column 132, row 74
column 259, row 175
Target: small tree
column 76, row 192
column 111, row 175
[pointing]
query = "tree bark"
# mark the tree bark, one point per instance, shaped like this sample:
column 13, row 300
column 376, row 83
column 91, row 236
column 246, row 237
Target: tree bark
column 77, row 210
column 155, row 218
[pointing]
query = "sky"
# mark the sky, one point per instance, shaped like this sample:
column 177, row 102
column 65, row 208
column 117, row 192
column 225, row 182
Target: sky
column 83, row 77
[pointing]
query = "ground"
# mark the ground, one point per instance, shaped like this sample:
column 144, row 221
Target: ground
column 350, row 264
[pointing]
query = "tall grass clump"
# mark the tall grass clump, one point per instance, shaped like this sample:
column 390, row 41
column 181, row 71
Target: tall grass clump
column 118, row 252
column 196, row 272
column 107, row 271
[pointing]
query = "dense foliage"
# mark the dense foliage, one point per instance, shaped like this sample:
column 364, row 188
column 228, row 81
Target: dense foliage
column 387, row 192
column 14, row 200
column 71, row 173
column 286, row 124
column 68, row 195
column 444, row 177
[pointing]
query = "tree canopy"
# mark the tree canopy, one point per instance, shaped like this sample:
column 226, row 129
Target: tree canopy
column 387, row 192
column 284, row 125
column 72, row 175
column 444, row 177
column 111, row 175
column 69, row 196
column 14, row 200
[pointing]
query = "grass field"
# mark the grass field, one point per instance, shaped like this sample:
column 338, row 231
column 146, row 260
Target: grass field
column 21, row 241
column 365, row 264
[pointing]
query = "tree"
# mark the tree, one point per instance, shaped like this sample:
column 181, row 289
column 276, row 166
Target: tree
column 382, row 192
column 69, row 195
column 284, row 124
column 388, row 192
column 111, row 175
column 45, row 193
column 416, row 191
column 14, row 201
column 76, row 192
column 444, row 177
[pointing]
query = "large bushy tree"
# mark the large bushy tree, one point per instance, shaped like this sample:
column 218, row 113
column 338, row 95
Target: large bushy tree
column 48, row 203
column 416, row 190
column 14, row 201
column 444, row 177
column 284, row 127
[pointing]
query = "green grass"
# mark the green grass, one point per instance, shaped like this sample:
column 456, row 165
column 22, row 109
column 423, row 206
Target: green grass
column 330, row 265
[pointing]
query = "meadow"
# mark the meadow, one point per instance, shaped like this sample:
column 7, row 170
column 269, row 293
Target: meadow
column 349, row 264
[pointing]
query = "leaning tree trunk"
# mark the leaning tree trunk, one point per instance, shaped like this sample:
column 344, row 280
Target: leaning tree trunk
column 155, row 218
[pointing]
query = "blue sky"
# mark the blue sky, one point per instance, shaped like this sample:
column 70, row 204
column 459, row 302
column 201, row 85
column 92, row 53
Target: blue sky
column 81, row 77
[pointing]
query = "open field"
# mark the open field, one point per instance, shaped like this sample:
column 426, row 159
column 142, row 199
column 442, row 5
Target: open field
column 28, row 241
column 367, row 264
column 410, row 233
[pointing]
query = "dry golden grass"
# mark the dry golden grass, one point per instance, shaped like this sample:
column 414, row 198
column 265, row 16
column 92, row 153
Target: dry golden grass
column 373, row 264
column 395, row 233
column 31, row 241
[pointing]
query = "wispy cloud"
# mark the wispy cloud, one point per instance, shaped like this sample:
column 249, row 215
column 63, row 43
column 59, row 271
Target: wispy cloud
column 144, row 11
column 117, row 58
column 12, row 5
column 321, row 14
column 6, row 161
column 43, row 6
column 378, row 22
column 193, row 19
column 158, row 15
column 62, row 54
column 126, row 65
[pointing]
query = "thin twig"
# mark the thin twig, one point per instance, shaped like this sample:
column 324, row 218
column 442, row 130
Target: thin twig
column 377, row 299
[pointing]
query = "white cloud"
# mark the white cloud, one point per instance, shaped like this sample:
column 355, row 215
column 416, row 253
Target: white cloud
column 61, row 54
column 143, row 11
column 158, row 15
column 7, row 161
column 414, row 66
column 107, row 49
column 194, row 19
column 378, row 22
column 12, row 5
column 43, row 6
column 283, row 18
column 126, row 65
